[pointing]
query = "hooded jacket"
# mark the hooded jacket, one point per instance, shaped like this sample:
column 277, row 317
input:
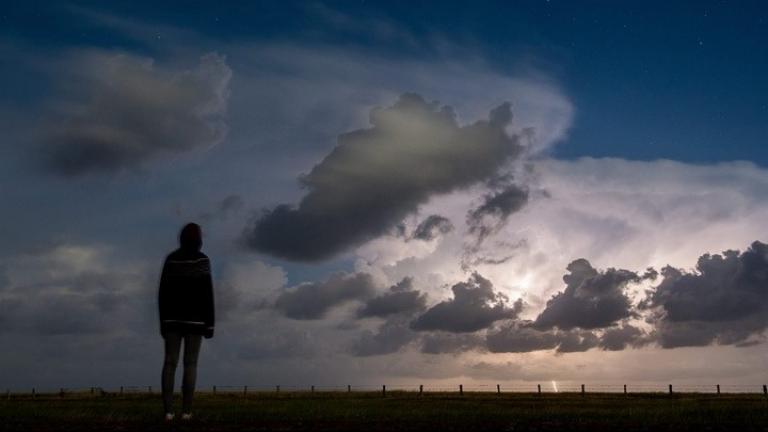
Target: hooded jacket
column 185, row 296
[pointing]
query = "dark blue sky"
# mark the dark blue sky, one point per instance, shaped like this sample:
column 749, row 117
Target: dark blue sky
column 677, row 80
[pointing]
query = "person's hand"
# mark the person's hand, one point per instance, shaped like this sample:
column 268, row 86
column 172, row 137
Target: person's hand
column 208, row 333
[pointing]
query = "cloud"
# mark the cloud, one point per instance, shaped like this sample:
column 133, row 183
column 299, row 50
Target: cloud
column 432, row 227
column 493, row 213
column 400, row 299
column 390, row 337
column 619, row 338
column 120, row 111
column 475, row 306
column 311, row 301
column 521, row 336
column 71, row 289
column 517, row 337
column 591, row 299
column 724, row 301
column 374, row 177
column 451, row 343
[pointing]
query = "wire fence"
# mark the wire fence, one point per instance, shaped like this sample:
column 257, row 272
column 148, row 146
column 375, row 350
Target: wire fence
column 420, row 389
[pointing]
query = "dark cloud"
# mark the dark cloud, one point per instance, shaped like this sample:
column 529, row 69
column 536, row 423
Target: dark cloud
column 451, row 343
column 313, row 300
column 591, row 299
column 120, row 111
column 518, row 337
column 492, row 215
column 432, row 227
column 475, row 306
column 401, row 299
column 724, row 301
column 374, row 177
column 576, row 341
column 521, row 336
column 619, row 338
column 390, row 337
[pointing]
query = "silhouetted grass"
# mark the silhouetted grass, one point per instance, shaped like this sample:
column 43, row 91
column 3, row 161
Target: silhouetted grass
column 398, row 411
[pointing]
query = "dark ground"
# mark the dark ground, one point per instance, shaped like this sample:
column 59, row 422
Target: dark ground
column 398, row 411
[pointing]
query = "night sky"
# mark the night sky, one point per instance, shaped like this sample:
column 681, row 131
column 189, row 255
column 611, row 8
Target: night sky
column 397, row 192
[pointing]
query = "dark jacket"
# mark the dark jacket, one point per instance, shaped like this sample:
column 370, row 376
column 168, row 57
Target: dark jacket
column 185, row 296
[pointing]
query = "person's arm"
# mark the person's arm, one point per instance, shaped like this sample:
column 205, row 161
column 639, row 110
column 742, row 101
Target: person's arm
column 210, row 314
column 162, row 297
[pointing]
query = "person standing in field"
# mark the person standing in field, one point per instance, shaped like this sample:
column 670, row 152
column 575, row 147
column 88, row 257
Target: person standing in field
column 185, row 301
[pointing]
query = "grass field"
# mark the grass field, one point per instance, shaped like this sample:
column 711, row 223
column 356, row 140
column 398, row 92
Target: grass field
column 398, row 411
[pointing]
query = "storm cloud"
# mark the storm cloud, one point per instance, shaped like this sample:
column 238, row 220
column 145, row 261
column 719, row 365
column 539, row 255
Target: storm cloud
column 119, row 111
column 374, row 177
column 400, row 299
column 724, row 301
column 591, row 299
column 474, row 306
column 311, row 301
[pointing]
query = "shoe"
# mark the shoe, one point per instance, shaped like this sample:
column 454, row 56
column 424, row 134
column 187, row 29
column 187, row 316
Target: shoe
column 169, row 417
column 186, row 416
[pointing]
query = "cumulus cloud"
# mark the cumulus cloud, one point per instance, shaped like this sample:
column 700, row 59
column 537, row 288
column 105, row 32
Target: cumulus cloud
column 312, row 300
column 400, row 299
column 724, row 301
column 374, row 177
column 120, row 111
column 432, row 227
column 474, row 306
column 591, row 299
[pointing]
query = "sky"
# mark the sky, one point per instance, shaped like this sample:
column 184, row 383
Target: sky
column 430, row 193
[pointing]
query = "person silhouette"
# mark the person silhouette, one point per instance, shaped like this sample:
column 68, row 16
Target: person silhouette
column 185, row 300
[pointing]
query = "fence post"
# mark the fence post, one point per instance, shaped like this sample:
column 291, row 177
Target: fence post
column 61, row 392
column 33, row 392
column 149, row 388
column 498, row 389
column 121, row 390
column 91, row 390
column 349, row 388
column 312, row 389
column 214, row 390
column 539, row 387
column 421, row 389
column 245, row 390
column 277, row 389
column 461, row 389
column 8, row 394
column 625, row 389
column 383, row 390
column 718, row 389
column 582, row 390
column 670, row 389
column 765, row 389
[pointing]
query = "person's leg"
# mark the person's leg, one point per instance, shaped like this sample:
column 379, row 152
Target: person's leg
column 191, row 350
column 172, row 347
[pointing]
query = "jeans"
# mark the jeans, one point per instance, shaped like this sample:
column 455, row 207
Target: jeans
column 191, row 350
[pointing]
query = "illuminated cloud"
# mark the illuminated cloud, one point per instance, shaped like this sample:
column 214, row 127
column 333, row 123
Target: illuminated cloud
column 375, row 177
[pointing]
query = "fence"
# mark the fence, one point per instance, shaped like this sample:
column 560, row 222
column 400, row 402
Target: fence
column 420, row 389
